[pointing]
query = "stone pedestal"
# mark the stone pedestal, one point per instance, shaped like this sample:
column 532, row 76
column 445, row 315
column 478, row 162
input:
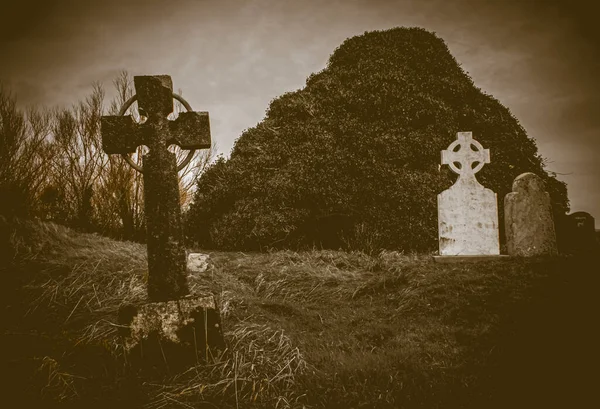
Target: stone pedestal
column 171, row 335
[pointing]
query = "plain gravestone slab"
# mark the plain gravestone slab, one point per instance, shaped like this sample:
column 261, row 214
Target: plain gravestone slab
column 581, row 234
column 528, row 218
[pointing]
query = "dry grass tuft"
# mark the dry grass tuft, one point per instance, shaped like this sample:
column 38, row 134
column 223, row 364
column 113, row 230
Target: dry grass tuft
column 81, row 280
column 304, row 277
column 59, row 385
column 260, row 369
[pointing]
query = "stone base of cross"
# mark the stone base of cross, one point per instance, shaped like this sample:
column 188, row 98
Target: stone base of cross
column 178, row 322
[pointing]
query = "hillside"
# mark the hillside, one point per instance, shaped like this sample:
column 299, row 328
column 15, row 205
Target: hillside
column 352, row 159
column 318, row 329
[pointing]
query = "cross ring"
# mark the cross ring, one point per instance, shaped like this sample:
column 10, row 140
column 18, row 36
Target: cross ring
column 126, row 156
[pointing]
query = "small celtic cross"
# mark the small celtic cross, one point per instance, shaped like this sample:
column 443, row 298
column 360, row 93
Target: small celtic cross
column 465, row 156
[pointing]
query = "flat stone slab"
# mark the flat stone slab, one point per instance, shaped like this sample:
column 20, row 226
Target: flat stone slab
column 469, row 259
column 197, row 263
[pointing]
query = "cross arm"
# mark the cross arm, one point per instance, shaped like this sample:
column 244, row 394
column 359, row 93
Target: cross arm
column 447, row 157
column 486, row 156
column 468, row 155
column 191, row 130
column 120, row 134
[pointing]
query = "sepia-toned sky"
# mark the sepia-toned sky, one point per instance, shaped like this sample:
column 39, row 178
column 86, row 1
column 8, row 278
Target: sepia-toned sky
column 540, row 58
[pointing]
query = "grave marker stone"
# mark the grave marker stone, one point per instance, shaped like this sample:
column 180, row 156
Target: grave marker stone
column 122, row 135
column 467, row 211
column 580, row 234
column 528, row 218
column 186, row 325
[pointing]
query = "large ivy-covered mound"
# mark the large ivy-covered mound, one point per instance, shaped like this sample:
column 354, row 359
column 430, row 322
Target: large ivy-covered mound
column 352, row 159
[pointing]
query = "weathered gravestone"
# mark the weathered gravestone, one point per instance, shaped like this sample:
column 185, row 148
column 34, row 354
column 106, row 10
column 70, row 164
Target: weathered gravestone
column 579, row 234
column 171, row 317
column 528, row 218
column 467, row 211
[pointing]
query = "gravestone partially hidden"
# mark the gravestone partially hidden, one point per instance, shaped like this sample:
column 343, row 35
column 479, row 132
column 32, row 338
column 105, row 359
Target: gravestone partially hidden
column 528, row 218
column 467, row 211
column 197, row 263
column 170, row 318
column 579, row 234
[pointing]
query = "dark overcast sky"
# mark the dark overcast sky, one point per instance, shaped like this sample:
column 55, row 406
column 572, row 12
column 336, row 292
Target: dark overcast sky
column 539, row 58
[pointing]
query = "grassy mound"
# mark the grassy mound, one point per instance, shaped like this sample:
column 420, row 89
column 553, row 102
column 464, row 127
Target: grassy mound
column 320, row 329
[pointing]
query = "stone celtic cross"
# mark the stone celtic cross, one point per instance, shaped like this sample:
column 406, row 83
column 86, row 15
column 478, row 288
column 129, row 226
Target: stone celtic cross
column 467, row 211
column 122, row 135
column 461, row 151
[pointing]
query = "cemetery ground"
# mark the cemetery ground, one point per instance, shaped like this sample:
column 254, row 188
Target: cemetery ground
column 318, row 329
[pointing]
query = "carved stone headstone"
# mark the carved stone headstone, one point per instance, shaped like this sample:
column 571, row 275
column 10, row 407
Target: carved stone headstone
column 467, row 211
column 528, row 218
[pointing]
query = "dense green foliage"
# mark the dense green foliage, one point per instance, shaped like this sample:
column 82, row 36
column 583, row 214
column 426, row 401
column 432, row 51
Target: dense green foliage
column 352, row 160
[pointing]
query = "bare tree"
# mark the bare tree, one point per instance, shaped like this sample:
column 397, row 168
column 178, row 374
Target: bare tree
column 54, row 163
column 24, row 156
column 79, row 160
column 189, row 175
column 121, row 188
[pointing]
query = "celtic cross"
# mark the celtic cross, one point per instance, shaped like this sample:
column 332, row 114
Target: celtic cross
column 466, row 152
column 122, row 135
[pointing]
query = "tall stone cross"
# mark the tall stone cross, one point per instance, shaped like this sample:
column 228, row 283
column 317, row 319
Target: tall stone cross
column 467, row 211
column 122, row 135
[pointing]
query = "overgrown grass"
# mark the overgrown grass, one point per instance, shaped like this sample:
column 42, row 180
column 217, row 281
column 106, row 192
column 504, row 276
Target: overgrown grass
column 311, row 329
column 391, row 331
